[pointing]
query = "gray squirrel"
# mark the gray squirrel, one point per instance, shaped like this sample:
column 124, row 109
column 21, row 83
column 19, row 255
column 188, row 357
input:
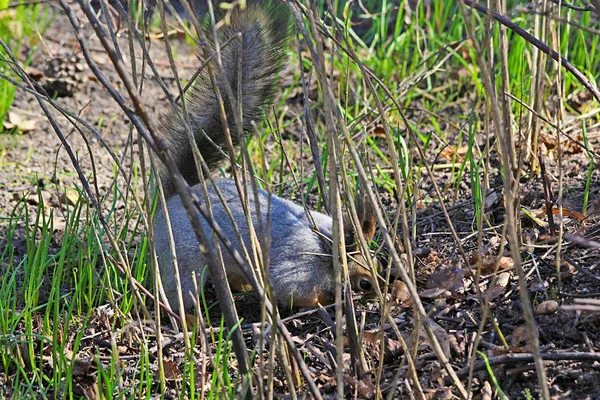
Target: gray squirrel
column 301, row 271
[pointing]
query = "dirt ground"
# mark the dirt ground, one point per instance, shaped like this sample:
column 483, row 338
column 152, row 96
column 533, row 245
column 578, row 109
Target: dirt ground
column 35, row 160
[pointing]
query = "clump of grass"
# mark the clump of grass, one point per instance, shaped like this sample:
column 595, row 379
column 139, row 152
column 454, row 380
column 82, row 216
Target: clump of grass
column 18, row 24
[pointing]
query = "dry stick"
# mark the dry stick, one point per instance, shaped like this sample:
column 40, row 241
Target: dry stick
column 202, row 66
column 389, row 241
column 587, row 7
column 148, row 131
column 357, row 355
column 264, row 328
column 235, row 101
column 258, row 242
column 400, row 190
column 547, row 195
column 505, row 79
column 340, row 265
column 388, row 238
column 539, row 44
column 121, row 265
column 199, row 161
column 310, row 129
column 73, row 119
column 148, row 209
column 370, row 74
column 554, row 126
column 538, row 82
column 505, row 106
column 509, row 198
column 527, row 358
column 485, row 311
column 205, row 172
column 565, row 21
column 163, row 200
column 560, row 108
column 130, row 145
column 277, row 139
column 203, row 337
column 111, row 30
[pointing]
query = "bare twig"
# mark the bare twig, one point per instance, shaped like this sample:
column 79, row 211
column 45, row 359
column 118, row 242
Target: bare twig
column 540, row 45
column 511, row 359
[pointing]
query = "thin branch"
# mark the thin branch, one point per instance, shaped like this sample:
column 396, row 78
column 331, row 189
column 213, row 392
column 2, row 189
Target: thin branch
column 539, row 44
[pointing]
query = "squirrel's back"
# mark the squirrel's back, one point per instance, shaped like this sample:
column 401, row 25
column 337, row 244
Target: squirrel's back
column 250, row 63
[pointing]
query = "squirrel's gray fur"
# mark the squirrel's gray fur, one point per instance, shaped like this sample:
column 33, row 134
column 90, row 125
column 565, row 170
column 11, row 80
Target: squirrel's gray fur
column 301, row 268
column 264, row 27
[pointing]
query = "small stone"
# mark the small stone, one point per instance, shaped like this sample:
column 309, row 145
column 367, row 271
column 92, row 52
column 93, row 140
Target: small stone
column 70, row 198
column 546, row 307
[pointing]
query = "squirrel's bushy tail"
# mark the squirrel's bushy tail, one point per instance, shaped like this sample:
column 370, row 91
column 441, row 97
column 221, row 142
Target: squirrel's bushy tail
column 256, row 59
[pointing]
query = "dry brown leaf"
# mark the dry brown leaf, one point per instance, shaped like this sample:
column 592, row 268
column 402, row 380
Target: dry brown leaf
column 172, row 371
column 519, row 335
column 378, row 131
column 453, row 153
column 488, row 263
column 565, row 211
column 34, row 73
column 82, row 365
column 18, row 122
column 448, row 276
column 371, row 342
column 491, row 198
column 486, row 391
column 440, row 334
column 458, row 344
column 363, row 387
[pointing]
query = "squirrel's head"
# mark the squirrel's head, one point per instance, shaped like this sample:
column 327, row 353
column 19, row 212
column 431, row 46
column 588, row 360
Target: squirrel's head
column 359, row 270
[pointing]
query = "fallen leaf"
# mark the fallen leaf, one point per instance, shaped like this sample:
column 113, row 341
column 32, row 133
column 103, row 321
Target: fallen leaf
column 519, row 335
column 491, row 199
column 371, row 340
column 565, row 212
column 364, row 387
column 34, row 73
column 82, row 366
column 458, row 343
column 172, row 371
column 531, row 215
column 453, row 153
column 70, row 198
column 486, row 391
column 440, row 334
column 18, row 122
column 487, row 264
column 448, row 276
